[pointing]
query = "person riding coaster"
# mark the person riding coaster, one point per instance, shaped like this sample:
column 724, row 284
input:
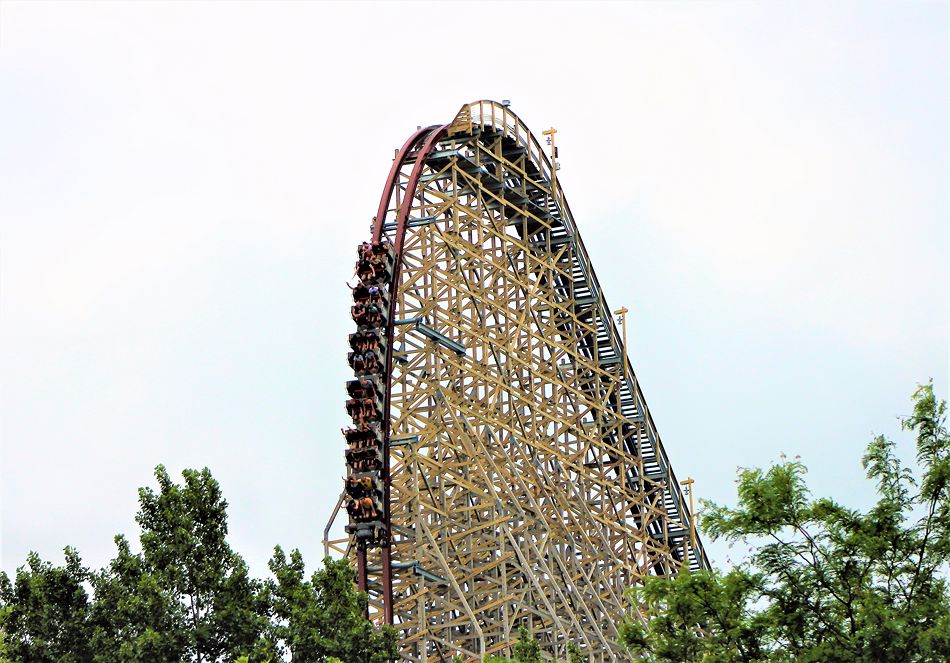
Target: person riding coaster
column 367, row 363
column 381, row 249
column 364, row 387
column 363, row 508
column 370, row 294
column 368, row 432
column 367, row 315
column 358, row 486
column 366, row 463
column 374, row 262
column 359, row 455
column 363, row 410
column 362, row 443
column 364, row 341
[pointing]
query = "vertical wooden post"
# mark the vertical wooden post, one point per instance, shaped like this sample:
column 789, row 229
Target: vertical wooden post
column 622, row 312
column 688, row 484
column 361, row 572
column 387, row 579
column 550, row 134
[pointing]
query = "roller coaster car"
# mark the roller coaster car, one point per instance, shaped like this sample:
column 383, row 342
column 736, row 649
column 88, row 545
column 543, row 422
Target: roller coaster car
column 375, row 262
column 365, row 432
column 369, row 464
column 366, row 387
column 367, row 443
column 373, row 273
column 363, row 509
column 366, row 533
column 370, row 339
column 367, row 485
column 371, row 294
column 368, row 315
column 366, row 452
column 366, row 363
column 364, row 410
column 381, row 250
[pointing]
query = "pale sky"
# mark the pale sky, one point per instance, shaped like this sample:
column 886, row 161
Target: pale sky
column 182, row 187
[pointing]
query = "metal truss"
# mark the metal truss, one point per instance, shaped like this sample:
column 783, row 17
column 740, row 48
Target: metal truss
column 520, row 479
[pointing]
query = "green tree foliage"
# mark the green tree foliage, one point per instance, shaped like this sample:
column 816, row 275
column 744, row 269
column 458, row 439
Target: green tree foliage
column 184, row 548
column 46, row 612
column 825, row 582
column 4, row 651
column 323, row 617
column 136, row 618
column 527, row 649
column 187, row 596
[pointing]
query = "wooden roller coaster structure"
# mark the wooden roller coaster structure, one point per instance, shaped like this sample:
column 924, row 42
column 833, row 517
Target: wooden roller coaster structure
column 503, row 469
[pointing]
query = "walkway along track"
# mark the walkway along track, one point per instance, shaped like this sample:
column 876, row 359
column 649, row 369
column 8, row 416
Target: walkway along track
column 507, row 470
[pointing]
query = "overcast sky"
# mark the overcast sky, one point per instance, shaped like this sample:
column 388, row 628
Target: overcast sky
column 763, row 185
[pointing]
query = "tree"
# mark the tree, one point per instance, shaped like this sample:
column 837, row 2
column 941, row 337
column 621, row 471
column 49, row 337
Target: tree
column 324, row 617
column 4, row 651
column 527, row 649
column 825, row 582
column 134, row 617
column 45, row 612
column 574, row 654
column 187, row 596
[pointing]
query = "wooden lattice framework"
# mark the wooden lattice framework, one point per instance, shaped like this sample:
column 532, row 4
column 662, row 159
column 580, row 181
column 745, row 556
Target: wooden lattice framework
column 526, row 484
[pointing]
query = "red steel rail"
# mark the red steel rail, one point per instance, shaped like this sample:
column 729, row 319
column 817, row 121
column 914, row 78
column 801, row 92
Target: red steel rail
column 428, row 137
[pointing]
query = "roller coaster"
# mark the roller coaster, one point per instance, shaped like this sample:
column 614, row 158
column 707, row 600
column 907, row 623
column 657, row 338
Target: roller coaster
column 503, row 469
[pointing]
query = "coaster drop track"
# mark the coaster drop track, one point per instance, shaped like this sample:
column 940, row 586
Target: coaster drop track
column 503, row 469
